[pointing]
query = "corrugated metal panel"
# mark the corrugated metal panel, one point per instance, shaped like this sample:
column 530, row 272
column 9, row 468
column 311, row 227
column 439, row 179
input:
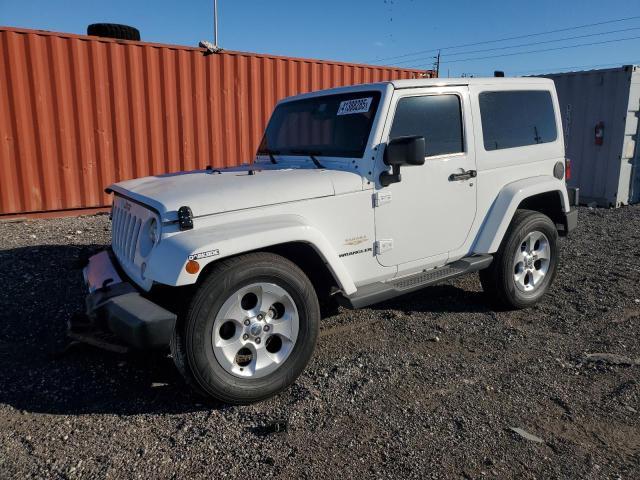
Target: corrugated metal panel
column 602, row 172
column 631, row 151
column 78, row 113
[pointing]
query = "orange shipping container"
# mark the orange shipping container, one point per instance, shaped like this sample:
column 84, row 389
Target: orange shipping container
column 78, row 113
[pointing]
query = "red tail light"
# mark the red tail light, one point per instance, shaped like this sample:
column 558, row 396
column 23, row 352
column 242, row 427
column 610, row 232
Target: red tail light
column 567, row 169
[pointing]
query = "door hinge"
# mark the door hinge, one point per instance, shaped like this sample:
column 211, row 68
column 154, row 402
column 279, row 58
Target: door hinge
column 381, row 246
column 380, row 198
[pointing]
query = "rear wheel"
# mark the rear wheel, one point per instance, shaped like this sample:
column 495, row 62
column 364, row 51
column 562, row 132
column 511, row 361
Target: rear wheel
column 250, row 330
column 525, row 264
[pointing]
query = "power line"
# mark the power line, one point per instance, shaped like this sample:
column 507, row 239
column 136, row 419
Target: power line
column 512, row 38
column 587, row 25
column 534, row 51
column 523, row 44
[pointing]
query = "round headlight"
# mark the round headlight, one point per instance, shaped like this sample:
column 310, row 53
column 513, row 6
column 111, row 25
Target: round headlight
column 153, row 231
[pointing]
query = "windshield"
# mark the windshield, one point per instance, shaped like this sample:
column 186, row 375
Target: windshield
column 330, row 125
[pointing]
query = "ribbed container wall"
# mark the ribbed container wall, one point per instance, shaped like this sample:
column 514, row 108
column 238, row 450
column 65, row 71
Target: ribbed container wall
column 78, row 113
column 607, row 174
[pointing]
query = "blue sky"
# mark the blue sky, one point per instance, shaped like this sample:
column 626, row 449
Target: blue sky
column 363, row 31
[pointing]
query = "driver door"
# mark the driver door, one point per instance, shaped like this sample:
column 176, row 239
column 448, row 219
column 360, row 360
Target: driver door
column 431, row 210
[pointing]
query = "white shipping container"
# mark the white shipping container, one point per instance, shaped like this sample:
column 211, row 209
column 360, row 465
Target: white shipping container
column 606, row 171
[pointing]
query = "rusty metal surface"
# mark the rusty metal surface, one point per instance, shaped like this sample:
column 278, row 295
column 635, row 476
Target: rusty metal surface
column 78, row 113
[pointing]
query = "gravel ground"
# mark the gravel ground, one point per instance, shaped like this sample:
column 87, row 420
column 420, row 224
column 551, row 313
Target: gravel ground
column 428, row 385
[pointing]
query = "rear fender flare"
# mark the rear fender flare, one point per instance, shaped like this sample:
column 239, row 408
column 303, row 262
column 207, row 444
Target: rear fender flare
column 505, row 205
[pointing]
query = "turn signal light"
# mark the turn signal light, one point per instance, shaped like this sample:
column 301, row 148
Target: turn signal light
column 192, row 267
column 567, row 169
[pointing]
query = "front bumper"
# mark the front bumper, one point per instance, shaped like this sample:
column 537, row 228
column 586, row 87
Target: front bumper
column 116, row 306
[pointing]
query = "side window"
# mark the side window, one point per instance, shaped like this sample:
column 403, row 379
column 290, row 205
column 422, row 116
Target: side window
column 438, row 118
column 517, row 118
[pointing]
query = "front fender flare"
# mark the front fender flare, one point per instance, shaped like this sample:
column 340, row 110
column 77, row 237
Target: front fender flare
column 504, row 206
column 168, row 260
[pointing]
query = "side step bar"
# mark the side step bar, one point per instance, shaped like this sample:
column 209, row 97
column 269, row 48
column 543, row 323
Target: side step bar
column 381, row 291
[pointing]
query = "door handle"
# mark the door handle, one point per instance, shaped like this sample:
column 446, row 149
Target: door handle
column 464, row 175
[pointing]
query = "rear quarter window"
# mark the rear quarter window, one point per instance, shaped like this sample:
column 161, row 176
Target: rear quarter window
column 517, row 118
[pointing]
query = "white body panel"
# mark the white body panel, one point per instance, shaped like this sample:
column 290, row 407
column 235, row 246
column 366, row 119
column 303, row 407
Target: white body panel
column 316, row 222
column 219, row 191
column 428, row 215
column 499, row 169
column 431, row 220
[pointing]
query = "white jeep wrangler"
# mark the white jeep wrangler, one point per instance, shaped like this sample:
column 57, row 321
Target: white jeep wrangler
column 357, row 195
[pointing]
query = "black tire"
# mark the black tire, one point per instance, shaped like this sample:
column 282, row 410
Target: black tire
column 498, row 280
column 113, row 30
column 179, row 355
column 195, row 343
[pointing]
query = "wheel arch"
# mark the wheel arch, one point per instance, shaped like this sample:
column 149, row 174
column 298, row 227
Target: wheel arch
column 544, row 194
column 304, row 255
column 547, row 203
column 287, row 235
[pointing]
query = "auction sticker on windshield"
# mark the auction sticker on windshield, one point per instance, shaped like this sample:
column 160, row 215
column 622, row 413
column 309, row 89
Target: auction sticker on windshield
column 357, row 105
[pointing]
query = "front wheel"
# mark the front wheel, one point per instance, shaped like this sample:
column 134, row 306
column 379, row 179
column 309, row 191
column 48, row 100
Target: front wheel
column 526, row 262
column 251, row 328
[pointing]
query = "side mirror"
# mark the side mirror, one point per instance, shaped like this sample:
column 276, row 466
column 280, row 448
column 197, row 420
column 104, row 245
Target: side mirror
column 401, row 151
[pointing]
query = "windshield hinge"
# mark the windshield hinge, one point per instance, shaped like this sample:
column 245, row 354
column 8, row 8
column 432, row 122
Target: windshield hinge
column 380, row 198
column 381, row 246
column 185, row 218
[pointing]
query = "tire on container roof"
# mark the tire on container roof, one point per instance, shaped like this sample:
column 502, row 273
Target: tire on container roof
column 113, row 30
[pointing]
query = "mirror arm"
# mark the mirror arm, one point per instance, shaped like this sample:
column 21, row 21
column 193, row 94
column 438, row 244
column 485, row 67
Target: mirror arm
column 387, row 178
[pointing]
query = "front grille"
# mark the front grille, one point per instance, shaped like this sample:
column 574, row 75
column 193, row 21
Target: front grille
column 125, row 230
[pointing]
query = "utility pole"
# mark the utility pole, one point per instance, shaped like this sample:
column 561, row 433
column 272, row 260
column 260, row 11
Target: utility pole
column 215, row 23
column 204, row 43
column 437, row 65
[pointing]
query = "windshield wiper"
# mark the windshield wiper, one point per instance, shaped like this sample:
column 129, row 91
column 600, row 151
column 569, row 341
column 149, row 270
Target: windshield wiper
column 311, row 155
column 315, row 161
column 271, row 154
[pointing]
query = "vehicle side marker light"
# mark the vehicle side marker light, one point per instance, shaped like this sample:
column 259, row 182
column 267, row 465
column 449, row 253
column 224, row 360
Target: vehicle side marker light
column 192, row 267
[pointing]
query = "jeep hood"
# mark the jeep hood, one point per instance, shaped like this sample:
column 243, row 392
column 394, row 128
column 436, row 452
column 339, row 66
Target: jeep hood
column 226, row 190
